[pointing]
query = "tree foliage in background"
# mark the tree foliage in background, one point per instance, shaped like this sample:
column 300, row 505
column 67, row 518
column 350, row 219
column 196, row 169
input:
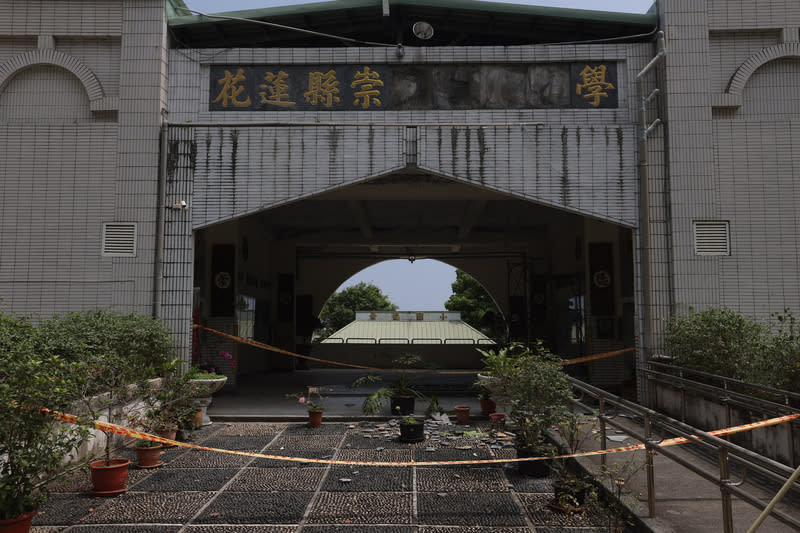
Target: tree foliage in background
column 476, row 306
column 722, row 341
column 340, row 309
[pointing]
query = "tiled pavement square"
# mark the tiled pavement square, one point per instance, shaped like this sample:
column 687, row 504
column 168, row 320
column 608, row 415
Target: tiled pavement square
column 369, row 478
column 186, row 479
column 362, row 508
column 289, row 478
column 149, row 508
column 432, row 479
column 256, row 508
column 458, row 508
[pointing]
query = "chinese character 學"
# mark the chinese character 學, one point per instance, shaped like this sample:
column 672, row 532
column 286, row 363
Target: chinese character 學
column 276, row 89
column 231, row 90
column 594, row 81
column 323, row 88
column 366, row 85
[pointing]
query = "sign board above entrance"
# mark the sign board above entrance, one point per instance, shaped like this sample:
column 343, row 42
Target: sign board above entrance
column 577, row 85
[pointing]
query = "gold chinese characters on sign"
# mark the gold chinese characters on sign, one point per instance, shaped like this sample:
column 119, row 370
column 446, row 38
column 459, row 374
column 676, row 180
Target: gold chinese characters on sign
column 380, row 87
column 265, row 88
column 595, row 85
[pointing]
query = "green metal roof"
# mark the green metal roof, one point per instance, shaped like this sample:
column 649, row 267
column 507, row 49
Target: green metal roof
column 406, row 328
column 456, row 23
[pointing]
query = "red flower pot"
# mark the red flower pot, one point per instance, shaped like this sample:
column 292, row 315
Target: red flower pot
column 148, row 456
column 462, row 414
column 314, row 418
column 20, row 524
column 109, row 480
column 488, row 406
column 498, row 420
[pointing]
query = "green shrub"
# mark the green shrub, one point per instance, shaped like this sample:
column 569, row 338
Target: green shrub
column 717, row 340
column 138, row 346
column 33, row 447
column 721, row 341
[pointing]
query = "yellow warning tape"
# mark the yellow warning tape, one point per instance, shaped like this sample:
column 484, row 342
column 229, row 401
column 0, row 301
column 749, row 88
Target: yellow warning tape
column 128, row 432
column 263, row 346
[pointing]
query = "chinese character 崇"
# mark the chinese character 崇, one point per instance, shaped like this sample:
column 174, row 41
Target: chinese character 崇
column 277, row 90
column 594, row 81
column 231, row 90
column 322, row 88
column 366, row 83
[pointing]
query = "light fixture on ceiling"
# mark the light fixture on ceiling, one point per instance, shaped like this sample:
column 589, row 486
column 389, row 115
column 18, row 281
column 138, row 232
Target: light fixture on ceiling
column 422, row 30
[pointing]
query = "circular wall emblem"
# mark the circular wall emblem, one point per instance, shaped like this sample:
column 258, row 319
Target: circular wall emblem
column 222, row 280
column 601, row 279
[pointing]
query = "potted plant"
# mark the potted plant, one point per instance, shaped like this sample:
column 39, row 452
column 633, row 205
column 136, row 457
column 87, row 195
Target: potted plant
column 572, row 488
column 206, row 382
column 411, row 429
column 34, row 448
column 168, row 403
column 400, row 394
column 531, row 383
column 488, row 405
column 314, row 403
column 111, row 352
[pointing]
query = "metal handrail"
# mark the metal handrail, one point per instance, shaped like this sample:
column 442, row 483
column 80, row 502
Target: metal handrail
column 726, row 451
column 726, row 381
column 727, row 395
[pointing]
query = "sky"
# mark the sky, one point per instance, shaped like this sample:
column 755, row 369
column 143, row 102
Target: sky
column 425, row 284
column 626, row 6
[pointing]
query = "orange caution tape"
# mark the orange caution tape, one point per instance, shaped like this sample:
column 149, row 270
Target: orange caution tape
column 263, row 346
column 128, row 432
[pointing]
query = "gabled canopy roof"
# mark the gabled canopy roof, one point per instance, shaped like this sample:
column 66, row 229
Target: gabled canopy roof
column 455, row 23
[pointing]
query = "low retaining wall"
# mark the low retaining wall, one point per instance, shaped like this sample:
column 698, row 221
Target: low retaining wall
column 780, row 443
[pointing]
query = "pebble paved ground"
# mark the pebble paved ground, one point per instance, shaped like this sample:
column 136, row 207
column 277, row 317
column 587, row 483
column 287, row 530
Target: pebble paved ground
column 199, row 491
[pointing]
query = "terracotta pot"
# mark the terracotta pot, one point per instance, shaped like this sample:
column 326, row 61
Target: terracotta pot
column 498, row 420
column 314, row 418
column 197, row 421
column 462, row 414
column 109, row 480
column 148, row 456
column 20, row 524
column 488, row 406
column 170, row 434
column 412, row 432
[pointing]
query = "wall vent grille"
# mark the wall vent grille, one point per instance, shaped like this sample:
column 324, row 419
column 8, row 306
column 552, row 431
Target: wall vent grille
column 119, row 239
column 712, row 238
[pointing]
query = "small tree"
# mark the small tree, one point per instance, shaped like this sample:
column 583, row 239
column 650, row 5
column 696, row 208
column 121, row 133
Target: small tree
column 533, row 385
column 340, row 309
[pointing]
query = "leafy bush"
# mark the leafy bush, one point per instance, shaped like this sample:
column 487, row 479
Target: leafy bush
column 33, row 447
column 530, row 381
column 135, row 346
column 721, row 341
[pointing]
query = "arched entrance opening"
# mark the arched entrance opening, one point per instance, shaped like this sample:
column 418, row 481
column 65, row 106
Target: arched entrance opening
column 560, row 276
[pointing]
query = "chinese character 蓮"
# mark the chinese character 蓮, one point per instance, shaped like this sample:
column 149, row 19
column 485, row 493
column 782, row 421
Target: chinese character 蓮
column 323, row 88
column 231, row 90
column 594, row 81
column 366, row 83
column 276, row 89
